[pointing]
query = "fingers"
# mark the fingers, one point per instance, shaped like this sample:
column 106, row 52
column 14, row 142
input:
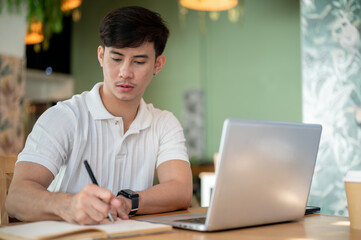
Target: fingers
column 114, row 204
column 101, row 193
column 123, row 215
column 123, row 208
column 91, row 205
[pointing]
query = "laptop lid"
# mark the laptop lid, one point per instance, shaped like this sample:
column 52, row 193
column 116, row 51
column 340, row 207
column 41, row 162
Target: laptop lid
column 263, row 175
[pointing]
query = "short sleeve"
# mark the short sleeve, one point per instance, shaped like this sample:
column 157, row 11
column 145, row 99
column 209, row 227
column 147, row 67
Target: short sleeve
column 49, row 142
column 172, row 140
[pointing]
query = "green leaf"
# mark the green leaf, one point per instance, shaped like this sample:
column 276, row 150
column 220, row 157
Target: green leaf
column 47, row 11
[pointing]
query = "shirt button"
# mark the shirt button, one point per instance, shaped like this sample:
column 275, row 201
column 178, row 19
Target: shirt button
column 116, row 122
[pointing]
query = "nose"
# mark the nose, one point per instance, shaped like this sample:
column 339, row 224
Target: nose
column 125, row 71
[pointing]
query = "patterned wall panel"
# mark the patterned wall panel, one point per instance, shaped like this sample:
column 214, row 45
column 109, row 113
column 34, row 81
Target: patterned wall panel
column 12, row 87
column 331, row 69
column 193, row 121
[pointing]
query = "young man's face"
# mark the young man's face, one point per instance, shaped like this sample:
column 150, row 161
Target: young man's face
column 128, row 71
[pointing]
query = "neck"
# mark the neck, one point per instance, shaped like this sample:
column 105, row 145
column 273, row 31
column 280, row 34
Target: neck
column 127, row 110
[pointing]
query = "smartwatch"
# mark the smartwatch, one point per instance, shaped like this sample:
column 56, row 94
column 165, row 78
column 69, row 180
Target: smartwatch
column 132, row 196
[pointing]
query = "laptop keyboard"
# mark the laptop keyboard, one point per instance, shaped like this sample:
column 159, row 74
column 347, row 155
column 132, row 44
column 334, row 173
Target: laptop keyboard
column 200, row 220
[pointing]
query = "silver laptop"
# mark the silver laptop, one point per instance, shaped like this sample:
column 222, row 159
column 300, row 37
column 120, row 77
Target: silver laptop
column 263, row 176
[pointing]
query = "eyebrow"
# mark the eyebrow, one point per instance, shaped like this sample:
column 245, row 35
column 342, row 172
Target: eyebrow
column 135, row 56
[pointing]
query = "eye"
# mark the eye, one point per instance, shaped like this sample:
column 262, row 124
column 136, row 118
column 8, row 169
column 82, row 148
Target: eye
column 139, row 62
column 116, row 59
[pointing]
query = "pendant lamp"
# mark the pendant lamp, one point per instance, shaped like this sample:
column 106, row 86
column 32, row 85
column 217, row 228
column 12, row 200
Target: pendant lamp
column 67, row 5
column 209, row 5
column 34, row 34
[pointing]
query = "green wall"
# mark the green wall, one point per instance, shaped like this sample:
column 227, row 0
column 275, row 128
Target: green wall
column 251, row 69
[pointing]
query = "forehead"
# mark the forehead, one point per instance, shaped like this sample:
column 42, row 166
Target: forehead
column 145, row 48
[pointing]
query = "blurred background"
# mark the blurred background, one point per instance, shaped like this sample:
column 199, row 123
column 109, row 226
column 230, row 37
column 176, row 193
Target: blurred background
column 279, row 60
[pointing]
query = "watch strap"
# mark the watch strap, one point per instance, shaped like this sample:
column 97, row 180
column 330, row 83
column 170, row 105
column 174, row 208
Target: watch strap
column 135, row 203
column 134, row 197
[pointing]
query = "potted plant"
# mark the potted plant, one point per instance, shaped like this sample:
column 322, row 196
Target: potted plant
column 45, row 17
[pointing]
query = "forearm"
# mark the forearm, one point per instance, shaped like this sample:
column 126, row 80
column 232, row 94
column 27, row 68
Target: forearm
column 91, row 205
column 173, row 192
column 29, row 201
column 165, row 197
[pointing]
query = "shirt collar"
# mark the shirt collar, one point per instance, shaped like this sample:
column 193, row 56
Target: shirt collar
column 143, row 118
column 99, row 112
column 95, row 104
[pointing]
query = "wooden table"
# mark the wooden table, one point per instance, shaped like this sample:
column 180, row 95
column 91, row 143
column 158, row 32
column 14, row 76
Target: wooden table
column 311, row 227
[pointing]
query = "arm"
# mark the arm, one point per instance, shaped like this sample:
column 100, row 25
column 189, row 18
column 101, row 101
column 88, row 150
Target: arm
column 29, row 200
column 173, row 192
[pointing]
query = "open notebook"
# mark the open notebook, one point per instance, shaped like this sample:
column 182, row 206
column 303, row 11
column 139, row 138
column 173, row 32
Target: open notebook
column 63, row 230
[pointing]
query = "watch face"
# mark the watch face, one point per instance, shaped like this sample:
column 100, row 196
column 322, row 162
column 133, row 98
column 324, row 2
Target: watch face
column 130, row 193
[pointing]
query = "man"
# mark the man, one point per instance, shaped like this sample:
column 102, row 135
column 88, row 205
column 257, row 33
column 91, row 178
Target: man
column 123, row 138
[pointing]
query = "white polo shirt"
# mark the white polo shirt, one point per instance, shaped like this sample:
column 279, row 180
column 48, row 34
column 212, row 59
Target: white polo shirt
column 81, row 129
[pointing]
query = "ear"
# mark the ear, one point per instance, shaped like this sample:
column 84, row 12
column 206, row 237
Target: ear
column 159, row 63
column 101, row 55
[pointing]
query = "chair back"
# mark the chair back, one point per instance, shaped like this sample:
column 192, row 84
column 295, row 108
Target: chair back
column 7, row 165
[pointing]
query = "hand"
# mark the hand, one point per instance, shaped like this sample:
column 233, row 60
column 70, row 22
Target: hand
column 90, row 206
column 123, row 209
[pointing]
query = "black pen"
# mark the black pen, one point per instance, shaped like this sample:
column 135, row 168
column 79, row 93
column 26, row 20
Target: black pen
column 92, row 177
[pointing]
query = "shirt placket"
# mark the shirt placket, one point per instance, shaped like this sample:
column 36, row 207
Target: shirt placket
column 120, row 148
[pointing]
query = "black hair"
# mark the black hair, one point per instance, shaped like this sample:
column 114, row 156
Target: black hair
column 131, row 26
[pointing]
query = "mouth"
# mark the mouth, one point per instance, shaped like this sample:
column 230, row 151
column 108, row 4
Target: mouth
column 125, row 87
